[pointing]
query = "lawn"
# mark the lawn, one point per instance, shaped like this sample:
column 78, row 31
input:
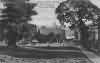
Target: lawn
column 22, row 55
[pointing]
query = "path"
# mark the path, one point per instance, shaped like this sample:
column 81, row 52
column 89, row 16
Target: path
column 92, row 56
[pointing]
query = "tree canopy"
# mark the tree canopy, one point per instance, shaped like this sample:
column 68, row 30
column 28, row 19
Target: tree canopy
column 17, row 12
column 76, row 11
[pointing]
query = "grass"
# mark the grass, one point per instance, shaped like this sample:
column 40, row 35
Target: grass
column 22, row 55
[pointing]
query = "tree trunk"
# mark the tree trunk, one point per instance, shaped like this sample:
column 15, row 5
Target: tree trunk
column 11, row 37
column 84, row 39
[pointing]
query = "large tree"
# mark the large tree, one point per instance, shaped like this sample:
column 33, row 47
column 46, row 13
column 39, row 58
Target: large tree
column 79, row 12
column 75, row 10
column 16, row 13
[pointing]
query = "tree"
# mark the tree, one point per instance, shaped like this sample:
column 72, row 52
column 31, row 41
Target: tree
column 16, row 13
column 74, row 11
column 79, row 12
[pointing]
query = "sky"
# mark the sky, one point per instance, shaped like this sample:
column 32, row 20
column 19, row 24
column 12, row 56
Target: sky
column 46, row 15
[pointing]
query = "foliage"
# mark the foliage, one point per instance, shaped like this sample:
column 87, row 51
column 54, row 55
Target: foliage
column 17, row 12
column 75, row 11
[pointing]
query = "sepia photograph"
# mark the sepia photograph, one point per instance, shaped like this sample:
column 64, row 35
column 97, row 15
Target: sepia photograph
column 49, row 31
